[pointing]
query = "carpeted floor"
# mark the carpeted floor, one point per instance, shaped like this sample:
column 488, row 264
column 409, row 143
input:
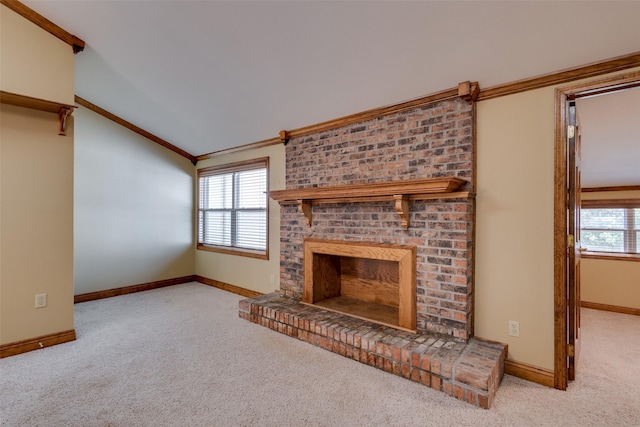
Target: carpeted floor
column 180, row 356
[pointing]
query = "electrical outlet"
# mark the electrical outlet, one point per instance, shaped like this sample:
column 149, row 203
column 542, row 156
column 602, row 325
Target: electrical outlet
column 273, row 279
column 514, row 328
column 41, row 300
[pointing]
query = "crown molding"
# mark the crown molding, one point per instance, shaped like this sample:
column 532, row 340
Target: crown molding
column 240, row 148
column 76, row 43
column 135, row 128
column 569, row 75
column 467, row 91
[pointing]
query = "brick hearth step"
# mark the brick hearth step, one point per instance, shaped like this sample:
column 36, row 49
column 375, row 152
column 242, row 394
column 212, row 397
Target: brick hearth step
column 469, row 371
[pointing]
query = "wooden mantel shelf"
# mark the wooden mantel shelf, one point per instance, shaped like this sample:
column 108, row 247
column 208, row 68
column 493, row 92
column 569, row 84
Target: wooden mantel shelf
column 400, row 192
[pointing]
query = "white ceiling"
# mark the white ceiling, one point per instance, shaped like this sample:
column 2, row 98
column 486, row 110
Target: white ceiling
column 610, row 131
column 210, row 75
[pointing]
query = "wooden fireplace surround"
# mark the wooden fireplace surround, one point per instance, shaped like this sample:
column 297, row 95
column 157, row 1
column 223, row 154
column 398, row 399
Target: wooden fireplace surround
column 370, row 281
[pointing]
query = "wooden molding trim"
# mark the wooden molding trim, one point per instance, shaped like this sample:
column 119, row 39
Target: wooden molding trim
column 610, row 203
column 607, row 84
column 377, row 112
column 466, row 90
column 564, row 76
column 37, row 343
column 108, row 293
column 76, row 43
column 560, row 200
column 243, row 165
column 227, row 287
column 252, row 146
column 618, row 188
column 473, row 92
column 234, row 251
column 562, row 96
column 529, row 372
column 613, row 308
column 610, row 256
column 134, row 128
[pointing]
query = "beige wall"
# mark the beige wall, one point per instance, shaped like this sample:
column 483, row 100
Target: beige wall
column 36, row 197
column 514, row 237
column 242, row 271
column 133, row 207
column 611, row 282
column 33, row 62
column 514, row 247
column 36, row 227
column 514, row 266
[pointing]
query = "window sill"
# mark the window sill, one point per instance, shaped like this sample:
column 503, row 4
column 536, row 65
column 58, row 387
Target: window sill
column 610, row 256
column 234, row 251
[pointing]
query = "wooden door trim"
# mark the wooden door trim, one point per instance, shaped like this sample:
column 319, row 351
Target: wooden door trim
column 562, row 95
column 560, row 198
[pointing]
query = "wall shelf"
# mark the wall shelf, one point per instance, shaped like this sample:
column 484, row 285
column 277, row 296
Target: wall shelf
column 62, row 110
column 399, row 192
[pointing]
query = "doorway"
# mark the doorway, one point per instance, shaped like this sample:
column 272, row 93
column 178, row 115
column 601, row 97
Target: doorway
column 567, row 286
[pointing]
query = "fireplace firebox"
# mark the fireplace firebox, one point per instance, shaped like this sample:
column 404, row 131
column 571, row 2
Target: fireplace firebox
column 365, row 280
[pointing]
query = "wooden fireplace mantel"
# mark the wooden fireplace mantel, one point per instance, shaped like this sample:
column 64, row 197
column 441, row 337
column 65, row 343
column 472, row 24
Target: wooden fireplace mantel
column 399, row 192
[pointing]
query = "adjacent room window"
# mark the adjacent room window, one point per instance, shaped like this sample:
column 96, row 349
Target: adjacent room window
column 233, row 209
column 610, row 226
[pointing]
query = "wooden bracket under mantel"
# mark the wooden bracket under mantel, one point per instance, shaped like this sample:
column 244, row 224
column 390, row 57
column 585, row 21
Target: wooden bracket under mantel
column 305, row 208
column 399, row 192
column 402, row 208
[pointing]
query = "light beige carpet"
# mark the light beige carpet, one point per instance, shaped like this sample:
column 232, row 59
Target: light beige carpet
column 180, row 356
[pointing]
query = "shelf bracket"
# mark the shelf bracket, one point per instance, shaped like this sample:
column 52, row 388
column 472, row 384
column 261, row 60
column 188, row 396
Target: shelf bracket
column 304, row 207
column 402, row 208
column 63, row 114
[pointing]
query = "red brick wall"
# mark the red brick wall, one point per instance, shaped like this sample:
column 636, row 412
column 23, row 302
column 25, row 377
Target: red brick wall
column 431, row 141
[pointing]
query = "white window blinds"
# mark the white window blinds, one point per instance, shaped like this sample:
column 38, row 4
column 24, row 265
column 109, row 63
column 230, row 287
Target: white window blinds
column 610, row 229
column 232, row 206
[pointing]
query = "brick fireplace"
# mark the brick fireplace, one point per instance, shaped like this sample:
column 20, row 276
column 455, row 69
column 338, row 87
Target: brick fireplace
column 402, row 180
column 433, row 141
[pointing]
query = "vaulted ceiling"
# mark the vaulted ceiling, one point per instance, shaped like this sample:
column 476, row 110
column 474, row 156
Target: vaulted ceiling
column 211, row 75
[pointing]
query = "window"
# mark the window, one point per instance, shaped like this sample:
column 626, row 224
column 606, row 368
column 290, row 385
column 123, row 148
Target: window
column 233, row 208
column 610, row 226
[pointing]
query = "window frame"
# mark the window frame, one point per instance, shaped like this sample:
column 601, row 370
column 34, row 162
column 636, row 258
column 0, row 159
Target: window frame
column 259, row 163
column 629, row 230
